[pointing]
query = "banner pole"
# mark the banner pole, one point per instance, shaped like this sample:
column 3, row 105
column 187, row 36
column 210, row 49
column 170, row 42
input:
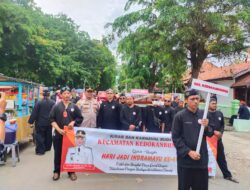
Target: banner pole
column 202, row 127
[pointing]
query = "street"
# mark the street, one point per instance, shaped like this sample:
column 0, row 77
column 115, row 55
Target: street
column 35, row 172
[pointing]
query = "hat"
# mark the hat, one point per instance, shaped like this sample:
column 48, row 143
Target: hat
column 63, row 89
column 167, row 96
column 109, row 90
column 191, row 92
column 80, row 133
column 89, row 90
column 212, row 99
column 46, row 93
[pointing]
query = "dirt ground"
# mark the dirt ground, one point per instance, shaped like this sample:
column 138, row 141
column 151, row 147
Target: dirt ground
column 34, row 172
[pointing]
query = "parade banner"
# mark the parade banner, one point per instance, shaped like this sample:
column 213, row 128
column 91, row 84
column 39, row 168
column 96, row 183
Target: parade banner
column 122, row 152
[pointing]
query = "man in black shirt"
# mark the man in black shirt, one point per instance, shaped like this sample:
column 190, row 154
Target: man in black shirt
column 154, row 117
column 192, row 166
column 179, row 107
column 109, row 113
column 175, row 102
column 130, row 116
column 243, row 112
column 216, row 121
column 43, row 129
column 168, row 114
column 63, row 114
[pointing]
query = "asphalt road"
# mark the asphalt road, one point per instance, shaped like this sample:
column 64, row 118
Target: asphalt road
column 35, row 172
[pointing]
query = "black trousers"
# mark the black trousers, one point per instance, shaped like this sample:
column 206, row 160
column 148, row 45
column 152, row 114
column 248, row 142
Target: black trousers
column 43, row 138
column 57, row 144
column 192, row 178
column 221, row 160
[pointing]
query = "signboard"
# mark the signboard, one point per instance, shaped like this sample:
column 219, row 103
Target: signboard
column 140, row 91
column 210, row 87
column 122, row 152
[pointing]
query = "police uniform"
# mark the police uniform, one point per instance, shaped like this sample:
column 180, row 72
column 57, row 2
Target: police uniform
column 109, row 115
column 216, row 119
column 43, row 129
column 185, row 134
column 130, row 116
column 79, row 155
column 63, row 117
column 154, row 117
column 168, row 118
column 89, row 109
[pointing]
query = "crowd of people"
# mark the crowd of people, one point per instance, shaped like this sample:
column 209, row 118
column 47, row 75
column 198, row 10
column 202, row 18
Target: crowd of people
column 161, row 115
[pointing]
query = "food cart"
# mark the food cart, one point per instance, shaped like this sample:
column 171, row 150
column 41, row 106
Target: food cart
column 21, row 96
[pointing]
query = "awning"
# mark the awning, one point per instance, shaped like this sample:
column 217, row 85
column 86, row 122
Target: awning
column 243, row 82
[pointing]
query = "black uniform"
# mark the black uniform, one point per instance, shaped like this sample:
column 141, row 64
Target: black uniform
column 43, row 129
column 185, row 133
column 130, row 116
column 177, row 109
column 174, row 104
column 216, row 120
column 168, row 118
column 109, row 115
column 63, row 117
column 154, row 116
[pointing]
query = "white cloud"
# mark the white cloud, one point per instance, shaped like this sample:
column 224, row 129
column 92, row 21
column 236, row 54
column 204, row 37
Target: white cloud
column 90, row 15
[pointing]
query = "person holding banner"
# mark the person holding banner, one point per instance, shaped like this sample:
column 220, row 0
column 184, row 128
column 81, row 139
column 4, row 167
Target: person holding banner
column 216, row 120
column 130, row 116
column 63, row 114
column 109, row 113
column 192, row 167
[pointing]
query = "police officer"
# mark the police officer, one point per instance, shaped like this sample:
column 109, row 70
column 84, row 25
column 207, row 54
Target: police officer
column 43, row 129
column 192, row 167
column 130, row 116
column 89, row 108
column 154, row 117
column 109, row 113
column 80, row 154
column 63, row 114
column 168, row 114
column 216, row 120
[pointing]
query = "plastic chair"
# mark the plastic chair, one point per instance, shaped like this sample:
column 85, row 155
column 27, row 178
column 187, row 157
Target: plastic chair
column 14, row 148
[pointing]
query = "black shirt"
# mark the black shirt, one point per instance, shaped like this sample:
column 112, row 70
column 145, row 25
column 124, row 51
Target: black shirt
column 130, row 116
column 177, row 109
column 185, row 134
column 40, row 113
column 109, row 115
column 174, row 104
column 216, row 120
column 244, row 113
column 58, row 115
column 168, row 118
column 154, row 116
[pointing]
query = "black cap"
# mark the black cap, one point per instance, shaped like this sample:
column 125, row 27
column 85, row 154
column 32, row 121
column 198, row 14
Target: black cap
column 80, row 133
column 191, row 92
column 213, row 99
column 63, row 89
column 46, row 93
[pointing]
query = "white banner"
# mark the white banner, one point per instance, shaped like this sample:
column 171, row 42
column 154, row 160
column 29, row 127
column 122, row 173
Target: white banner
column 123, row 152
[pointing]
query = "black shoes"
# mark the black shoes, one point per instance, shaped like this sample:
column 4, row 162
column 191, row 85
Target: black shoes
column 231, row 179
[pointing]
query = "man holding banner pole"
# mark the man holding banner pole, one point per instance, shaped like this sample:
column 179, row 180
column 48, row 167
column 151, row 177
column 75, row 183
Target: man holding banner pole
column 216, row 119
column 192, row 166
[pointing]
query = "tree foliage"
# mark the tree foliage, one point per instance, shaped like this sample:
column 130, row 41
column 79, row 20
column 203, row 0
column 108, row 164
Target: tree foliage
column 166, row 35
column 51, row 49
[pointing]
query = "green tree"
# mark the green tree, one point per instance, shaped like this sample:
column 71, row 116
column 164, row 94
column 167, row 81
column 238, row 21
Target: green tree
column 193, row 30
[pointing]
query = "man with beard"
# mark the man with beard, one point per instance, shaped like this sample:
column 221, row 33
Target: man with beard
column 216, row 120
column 130, row 116
column 109, row 113
column 192, row 166
column 63, row 114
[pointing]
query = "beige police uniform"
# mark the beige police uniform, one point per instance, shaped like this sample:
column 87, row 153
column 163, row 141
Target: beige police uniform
column 79, row 155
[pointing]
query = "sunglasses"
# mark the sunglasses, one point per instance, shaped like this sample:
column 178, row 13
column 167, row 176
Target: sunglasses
column 167, row 101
